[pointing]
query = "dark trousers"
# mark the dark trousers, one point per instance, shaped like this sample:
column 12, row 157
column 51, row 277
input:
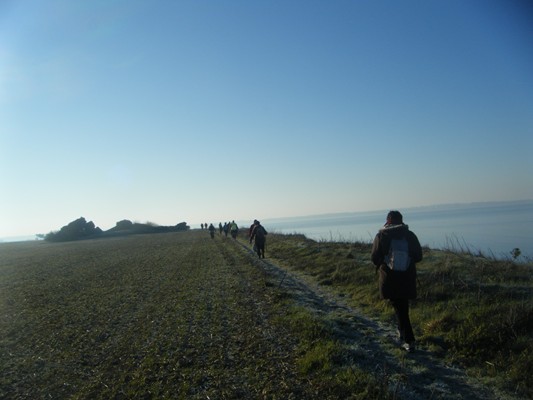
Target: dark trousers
column 260, row 248
column 401, row 308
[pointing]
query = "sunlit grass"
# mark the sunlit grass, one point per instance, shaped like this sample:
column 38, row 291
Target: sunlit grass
column 472, row 310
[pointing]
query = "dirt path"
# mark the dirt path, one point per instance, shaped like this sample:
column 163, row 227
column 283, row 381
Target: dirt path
column 373, row 346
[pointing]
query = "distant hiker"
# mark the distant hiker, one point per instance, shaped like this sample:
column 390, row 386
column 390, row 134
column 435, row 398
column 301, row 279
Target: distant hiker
column 202, row 225
column 251, row 229
column 220, row 227
column 234, row 230
column 212, row 230
column 259, row 234
column 395, row 252
column 226, row 228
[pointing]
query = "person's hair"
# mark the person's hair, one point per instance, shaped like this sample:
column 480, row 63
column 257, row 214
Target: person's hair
column 394, row 217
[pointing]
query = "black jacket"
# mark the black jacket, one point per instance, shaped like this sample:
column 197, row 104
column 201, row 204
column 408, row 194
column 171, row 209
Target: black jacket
column 258, row 233
column 396, row 284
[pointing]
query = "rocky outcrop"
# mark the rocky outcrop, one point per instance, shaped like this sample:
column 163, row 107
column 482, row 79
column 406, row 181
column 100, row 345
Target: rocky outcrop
column 81, row 229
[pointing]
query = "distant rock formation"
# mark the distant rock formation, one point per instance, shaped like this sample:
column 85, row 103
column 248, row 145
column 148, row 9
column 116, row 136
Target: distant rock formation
column 126, row 226
column 81, row 229
column 76, row 230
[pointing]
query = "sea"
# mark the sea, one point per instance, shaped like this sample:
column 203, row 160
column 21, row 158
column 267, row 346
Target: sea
column 493, row 229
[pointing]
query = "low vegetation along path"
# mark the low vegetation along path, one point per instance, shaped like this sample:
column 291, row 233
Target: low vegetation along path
column 181, row 315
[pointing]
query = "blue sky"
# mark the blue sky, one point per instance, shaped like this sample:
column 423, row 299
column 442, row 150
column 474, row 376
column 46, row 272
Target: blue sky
column 206, row 111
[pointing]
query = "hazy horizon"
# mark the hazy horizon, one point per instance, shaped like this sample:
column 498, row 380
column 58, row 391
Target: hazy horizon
column 196, row 224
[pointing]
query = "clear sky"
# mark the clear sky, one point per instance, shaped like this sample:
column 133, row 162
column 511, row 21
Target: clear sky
column 205, row 110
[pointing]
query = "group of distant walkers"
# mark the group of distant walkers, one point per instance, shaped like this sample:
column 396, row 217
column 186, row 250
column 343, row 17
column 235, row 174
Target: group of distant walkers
column 256, row 234
column 395, row 252
column 229, row 227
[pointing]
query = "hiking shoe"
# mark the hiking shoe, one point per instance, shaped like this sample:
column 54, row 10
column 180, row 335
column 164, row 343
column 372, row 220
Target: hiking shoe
column 409, row 347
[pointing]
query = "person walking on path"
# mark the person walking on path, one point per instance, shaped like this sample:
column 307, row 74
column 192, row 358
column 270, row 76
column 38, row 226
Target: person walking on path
column 234, row 230
column 395, row 252
column 226, row 229
column 251, row 228
column 212, row 230
column 259, row 235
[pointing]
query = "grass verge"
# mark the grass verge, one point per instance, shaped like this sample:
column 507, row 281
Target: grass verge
column 472, row 311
